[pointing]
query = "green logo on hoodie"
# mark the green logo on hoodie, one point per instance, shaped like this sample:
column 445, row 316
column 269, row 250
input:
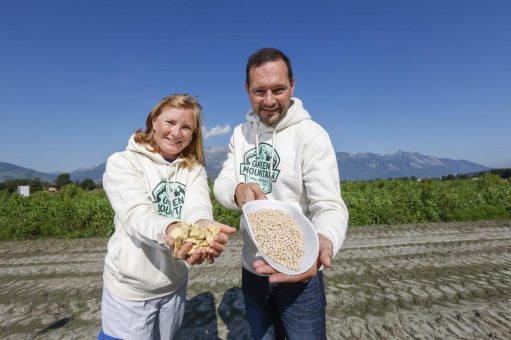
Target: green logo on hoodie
column 260, row 167
column 169, row 202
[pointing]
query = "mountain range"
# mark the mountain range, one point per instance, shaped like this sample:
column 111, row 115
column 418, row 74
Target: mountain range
column 353, row 167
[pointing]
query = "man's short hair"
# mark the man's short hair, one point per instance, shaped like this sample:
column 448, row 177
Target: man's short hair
column 265, row 55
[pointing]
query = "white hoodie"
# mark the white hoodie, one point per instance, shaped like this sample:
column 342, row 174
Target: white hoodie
column 147, row 193
column 298, row 156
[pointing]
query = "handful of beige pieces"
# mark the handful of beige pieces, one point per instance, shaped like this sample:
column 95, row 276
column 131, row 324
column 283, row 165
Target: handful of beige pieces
column 200, row 237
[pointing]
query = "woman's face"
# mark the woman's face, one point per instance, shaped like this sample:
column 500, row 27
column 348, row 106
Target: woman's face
column 173, row 130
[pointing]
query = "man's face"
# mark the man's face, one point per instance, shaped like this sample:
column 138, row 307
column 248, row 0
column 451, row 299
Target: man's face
column 270, row 91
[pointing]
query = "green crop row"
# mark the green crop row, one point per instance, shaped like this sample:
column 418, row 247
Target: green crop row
column 70, row 213
column 402, row 201
column 74, row 213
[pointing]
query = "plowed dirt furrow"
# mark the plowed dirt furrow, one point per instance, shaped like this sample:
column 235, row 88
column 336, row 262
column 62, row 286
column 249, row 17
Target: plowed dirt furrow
column 431, row 281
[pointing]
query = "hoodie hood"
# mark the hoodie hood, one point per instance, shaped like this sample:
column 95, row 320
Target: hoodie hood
column 295, row 114
column 149, row 152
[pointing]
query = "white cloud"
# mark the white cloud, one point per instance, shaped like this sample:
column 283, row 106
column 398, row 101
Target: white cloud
column 216, row 131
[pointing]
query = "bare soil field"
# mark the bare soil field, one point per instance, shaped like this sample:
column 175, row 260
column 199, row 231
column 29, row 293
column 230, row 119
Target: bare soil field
column 431, row 281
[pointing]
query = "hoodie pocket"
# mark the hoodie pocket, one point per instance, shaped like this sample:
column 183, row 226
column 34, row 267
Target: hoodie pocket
column 141, row 266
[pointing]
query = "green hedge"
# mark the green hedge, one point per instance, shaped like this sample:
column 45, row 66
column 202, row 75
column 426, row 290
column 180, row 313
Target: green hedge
column 74, row 213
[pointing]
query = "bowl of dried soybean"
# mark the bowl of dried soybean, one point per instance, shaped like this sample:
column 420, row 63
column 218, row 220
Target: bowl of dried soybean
column 283, row 235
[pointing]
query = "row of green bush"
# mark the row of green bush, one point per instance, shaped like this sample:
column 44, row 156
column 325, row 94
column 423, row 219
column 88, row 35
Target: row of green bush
column 70, row 213
column 398, row 201
column 74, row 212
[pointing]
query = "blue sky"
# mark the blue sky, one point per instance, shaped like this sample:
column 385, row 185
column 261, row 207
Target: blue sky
column 78, row 77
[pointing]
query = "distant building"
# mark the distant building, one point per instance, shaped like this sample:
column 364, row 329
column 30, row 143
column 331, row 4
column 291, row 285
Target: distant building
column 52, row 189
column 24, row 190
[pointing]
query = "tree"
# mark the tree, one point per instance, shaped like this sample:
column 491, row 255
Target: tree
column 63, row 180
column 88, row 184
column 36, row 184
column 12, row 184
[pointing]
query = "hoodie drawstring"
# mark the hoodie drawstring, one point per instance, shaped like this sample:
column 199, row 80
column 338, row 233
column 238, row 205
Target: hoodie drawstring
column 272, row 148
column 257, row 141
column 170, row 194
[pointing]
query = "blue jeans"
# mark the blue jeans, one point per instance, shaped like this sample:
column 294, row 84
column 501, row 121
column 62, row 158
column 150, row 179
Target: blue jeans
column 284, row 310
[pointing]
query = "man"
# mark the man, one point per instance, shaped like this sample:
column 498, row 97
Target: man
column 281, row 154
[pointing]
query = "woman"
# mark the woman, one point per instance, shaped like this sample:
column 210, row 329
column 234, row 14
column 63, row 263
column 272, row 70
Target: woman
column 158, row 181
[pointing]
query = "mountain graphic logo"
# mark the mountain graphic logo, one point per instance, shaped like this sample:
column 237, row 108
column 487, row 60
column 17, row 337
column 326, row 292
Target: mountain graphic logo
column 162, row 197
column 260, row 167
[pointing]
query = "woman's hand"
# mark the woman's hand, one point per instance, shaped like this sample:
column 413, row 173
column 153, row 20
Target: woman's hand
column 218, row 245
column 197, row 257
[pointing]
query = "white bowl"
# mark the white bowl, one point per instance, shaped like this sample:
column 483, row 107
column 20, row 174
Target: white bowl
column 310, row 237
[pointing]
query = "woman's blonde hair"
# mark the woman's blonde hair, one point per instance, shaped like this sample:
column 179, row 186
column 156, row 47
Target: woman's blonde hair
column 193, row 153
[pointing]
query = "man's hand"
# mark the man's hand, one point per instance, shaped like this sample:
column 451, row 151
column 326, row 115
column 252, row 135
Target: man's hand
column 324, row 259
column 246, row 192
column 326, row 252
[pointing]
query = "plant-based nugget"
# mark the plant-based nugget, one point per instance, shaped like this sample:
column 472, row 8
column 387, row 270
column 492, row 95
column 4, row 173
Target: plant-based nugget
column 197, row 232
column 211, row 232
column 200, row 237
